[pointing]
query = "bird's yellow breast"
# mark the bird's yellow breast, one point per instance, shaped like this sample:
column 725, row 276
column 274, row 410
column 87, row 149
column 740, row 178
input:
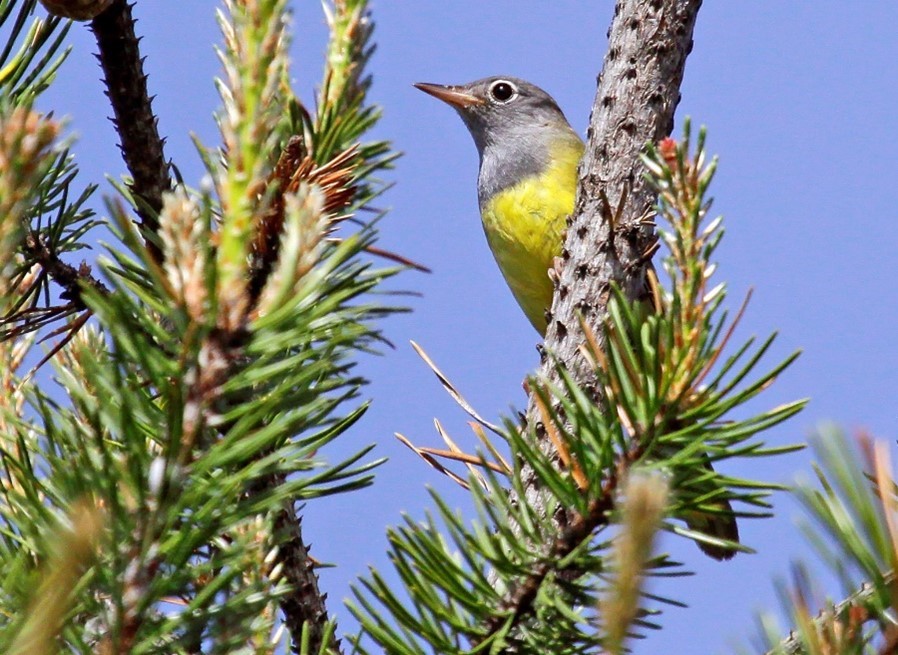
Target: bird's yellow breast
column 524, row 225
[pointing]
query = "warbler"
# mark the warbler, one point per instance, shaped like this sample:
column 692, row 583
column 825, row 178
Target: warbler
column 525, row 188
column 528, row 177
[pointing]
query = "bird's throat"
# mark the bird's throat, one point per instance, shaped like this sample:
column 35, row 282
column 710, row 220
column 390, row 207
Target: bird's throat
column 524, row 223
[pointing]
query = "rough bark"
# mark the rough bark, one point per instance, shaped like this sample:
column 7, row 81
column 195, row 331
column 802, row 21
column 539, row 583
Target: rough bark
column 135, row 122
column 608, row 239
column 306, row 606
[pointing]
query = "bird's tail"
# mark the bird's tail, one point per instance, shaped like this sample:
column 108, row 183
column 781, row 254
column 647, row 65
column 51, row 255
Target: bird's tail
column 720, row 524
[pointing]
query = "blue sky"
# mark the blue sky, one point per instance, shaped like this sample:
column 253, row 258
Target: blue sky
column 799, row 100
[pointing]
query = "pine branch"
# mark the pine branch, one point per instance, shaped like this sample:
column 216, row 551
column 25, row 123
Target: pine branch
column 519, row 599
column 254, row 60
column 853, row 506
column 645, row 499
column 198, row 409
column 852, row 608
column 637, row 94
column 305, row 608
column 672, row 389
column 126, row 88
column 43, row 246
column 73, row 282
column 34, row 178
column 328, row 155
column 65, row 275
column 323, row 152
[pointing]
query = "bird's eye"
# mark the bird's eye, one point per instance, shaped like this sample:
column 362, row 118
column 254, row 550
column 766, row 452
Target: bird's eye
column 502, row 91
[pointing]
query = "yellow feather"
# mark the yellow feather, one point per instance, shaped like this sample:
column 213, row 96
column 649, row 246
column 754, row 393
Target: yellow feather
column 524, row 225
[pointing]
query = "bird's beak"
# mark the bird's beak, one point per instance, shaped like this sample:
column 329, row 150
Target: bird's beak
column 451, row 95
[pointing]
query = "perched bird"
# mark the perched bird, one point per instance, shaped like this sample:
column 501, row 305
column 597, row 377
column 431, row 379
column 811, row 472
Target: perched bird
column 526, row 186
column 528, row 178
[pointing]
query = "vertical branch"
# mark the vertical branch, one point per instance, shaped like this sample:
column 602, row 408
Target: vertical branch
column 608, row 240
column 306, row 606
column 253, row 193
column 126, row 88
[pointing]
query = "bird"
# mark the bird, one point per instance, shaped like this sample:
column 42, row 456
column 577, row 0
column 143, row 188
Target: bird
column 528, row 177
column 526, row 188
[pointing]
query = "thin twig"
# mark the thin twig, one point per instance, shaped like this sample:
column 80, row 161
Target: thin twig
column 71, row 279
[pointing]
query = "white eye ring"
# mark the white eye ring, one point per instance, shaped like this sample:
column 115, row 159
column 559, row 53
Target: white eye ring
column 503, row 91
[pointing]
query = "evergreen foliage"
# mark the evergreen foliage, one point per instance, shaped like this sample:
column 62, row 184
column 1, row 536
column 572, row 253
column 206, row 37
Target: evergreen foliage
column 142, row 494
column 152, row 458
column 518, row 580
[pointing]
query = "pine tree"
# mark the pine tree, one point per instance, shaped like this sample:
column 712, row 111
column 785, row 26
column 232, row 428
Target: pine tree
column 154, row 457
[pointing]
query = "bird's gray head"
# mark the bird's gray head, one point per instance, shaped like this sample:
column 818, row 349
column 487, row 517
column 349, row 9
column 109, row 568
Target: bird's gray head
column 499, row 108
column 514, row 124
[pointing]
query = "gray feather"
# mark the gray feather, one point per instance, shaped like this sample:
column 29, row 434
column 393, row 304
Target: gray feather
column 513, row 139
